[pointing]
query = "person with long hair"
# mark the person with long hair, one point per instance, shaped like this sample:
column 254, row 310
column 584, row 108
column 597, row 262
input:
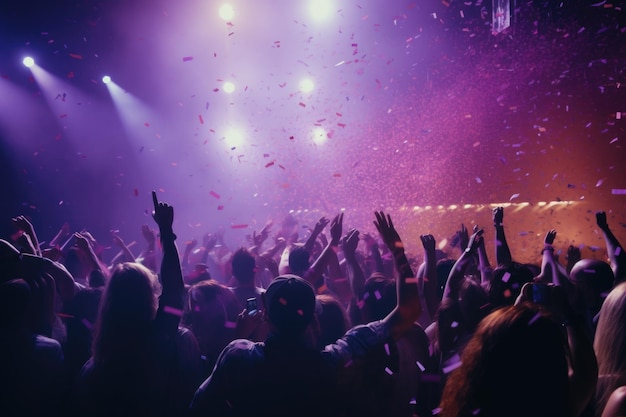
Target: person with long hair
column 610, row 347
column 142, row 363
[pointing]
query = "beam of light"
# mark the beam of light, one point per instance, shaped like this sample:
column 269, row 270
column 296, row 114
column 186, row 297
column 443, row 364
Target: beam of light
column 226, row 12
column 136, row 117
column 306, row 85
column 228, row 87
column 106, row 79
column 319, row 135
column 28, row 62
column 321, row 10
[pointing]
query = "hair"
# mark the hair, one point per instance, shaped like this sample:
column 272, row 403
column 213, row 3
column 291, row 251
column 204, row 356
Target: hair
column 610, row 345
column 379, row 297
column 243, row 264
column 516, row 351
column 127, row 308
column 299, row 260
column 503, row 292
column 594, row 278
column 333, row 320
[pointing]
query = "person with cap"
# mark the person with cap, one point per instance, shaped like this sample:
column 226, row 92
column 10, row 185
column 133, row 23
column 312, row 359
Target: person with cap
column 285, row 375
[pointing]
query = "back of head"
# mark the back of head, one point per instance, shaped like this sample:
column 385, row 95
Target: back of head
column 333, row 320
column 289, row 304
column 594, row 278
column 127, row 306
column 299, row 260
column 514, row 365
column 243, row 264
column 610, row 343
column 507, row 282
column 379, row 297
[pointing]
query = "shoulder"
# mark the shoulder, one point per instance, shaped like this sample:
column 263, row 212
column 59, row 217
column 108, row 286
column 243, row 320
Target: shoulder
column 616, row 405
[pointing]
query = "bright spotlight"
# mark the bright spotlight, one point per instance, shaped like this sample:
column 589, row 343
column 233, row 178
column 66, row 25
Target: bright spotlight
column 28, row 62
column 228, row 87
column 319, row 135
column 306, row 85
column 321, row 9
column 106, row 79
column 233, row 137
column 226, row 12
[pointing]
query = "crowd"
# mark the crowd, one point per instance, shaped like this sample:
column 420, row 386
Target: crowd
column 342, row 324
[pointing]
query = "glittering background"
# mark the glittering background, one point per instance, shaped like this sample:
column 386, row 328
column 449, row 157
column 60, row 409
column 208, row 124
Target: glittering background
column 425, row 112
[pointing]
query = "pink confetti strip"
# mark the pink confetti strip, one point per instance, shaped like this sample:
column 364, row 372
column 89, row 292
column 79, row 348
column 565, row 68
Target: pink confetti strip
column 410, row 281
column 214, row 194
column 239, row 226
column 230, row 324
column 419, row 365
column 452, row 367
column 173, row 311
column 87, row 324
column 618, row 191
column 389, row 371
column 187, row 58
column 506, row 277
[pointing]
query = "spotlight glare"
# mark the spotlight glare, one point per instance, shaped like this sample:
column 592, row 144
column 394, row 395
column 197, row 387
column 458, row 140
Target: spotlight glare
column 233, row 137
column 226, row 12
column 228, row 87
column 106, row 79
column 306, row 85
column 28, row 62
column 321, row 9
column 319, row 135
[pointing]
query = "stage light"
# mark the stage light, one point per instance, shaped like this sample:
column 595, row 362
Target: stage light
column 28, row 62
column 228, row 87
column 106, row 79
column 319, row 135
column 306, row 85
column 233, row 137
column 226, row 12
column 321, row 9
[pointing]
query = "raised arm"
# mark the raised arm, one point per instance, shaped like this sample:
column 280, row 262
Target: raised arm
column 409, row 308
column 428, row 280
column 355, row 274
column 613, row 247
column 486, row 272
column 319, row 227
column 171, row 273
column 316, row 270
column 503, row 253
column 21, row 223
column 457, row 273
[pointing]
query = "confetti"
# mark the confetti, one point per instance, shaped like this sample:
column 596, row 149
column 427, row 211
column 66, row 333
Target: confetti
column 214, row 194
column 389, row 371
column 173, row 311
column 282, row 301
column 514, row 196
column 201, row 119
column 618, row 191
column 419, row 365
column 239, row 226
column 87, row 324
column 76, row 56
column 451, row 367
column 387, row 349
column 534, row 319
column 230, row 324
column 506, row 277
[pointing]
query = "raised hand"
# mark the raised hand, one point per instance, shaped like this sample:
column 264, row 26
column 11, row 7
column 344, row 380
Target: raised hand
column 549, row 239
column 475, row 241
column 320, row 225
column 147, row 233
column 601, row 220
column 82, row 242
column 463, row 237
column 498, row 216
column 350, row 242
column 336, row 227
column 163, row 214
column 387, row 232
column 22, row 223
column 428, row 242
